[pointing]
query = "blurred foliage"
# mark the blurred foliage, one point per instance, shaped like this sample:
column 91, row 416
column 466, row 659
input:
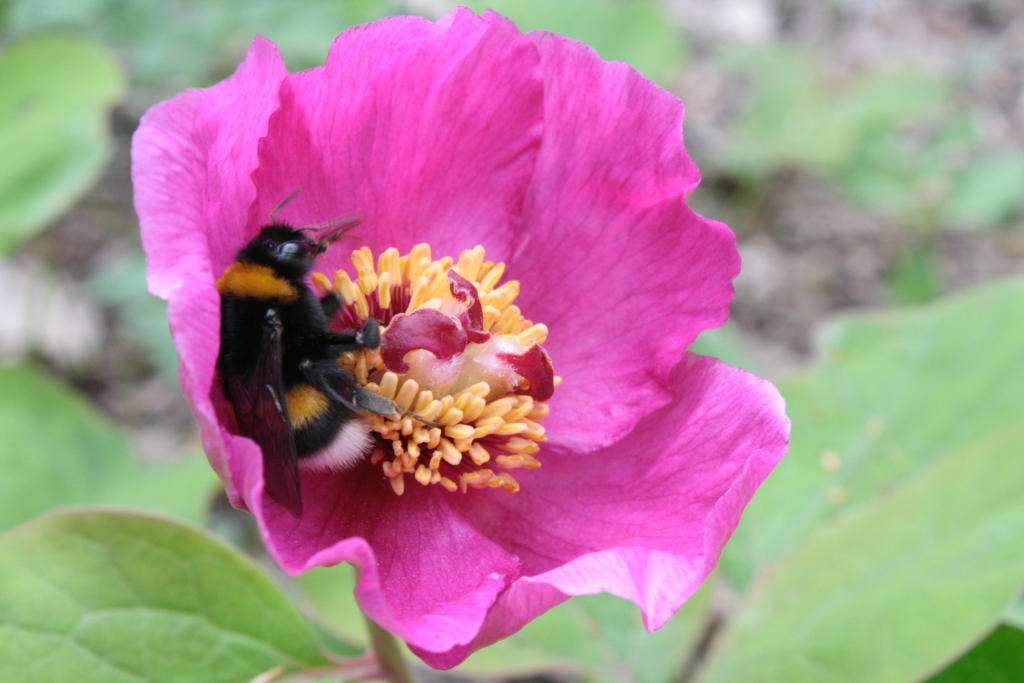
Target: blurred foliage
column 989, row 192
column 181, row 489
column 726, row 344
column 76, row 587
column 894, row 139
column 168, row 45
column 793, row 116
column 142, row 317
column 54, row 140
column 632, row 31
column 605, row 636
column 915, row 278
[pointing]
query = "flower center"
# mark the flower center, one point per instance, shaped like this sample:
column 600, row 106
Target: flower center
column 456, row 355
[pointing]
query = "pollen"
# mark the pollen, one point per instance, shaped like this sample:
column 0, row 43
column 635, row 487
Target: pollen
column 465, row 422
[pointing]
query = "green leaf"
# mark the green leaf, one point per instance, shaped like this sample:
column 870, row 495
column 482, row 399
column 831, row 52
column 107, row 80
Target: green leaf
column 633, row 31
column 888, row 593
column 892, row 535
column 599, row 636
column 1015, row 615
column 894, row 393
column 107, row 597
column 997, row 659
column 54, row 141
column 57, row 450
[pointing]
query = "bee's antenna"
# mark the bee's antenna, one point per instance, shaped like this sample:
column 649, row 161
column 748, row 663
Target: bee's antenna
column 348, row 221
column 327, row 233
column 293, row 195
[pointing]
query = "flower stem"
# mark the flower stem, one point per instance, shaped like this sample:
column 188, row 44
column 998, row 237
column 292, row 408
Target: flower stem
column 389, row 655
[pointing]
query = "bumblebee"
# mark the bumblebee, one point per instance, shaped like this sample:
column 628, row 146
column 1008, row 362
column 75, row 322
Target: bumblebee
column 277, row 362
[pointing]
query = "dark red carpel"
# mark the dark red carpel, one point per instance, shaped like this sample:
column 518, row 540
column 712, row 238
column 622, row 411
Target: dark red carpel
column 427, row 329
column 536, row 368
column 472, row 320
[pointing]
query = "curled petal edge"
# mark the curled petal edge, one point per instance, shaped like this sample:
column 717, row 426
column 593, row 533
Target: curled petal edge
column 427, row 329
column 472, row 319
column 534, row 365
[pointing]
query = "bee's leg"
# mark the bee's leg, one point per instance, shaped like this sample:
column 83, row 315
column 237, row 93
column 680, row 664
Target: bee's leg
column 379, row 405
column 368, row 337
column 328, row 378
column 331, row 304
column 375, row 403
column 324, row 376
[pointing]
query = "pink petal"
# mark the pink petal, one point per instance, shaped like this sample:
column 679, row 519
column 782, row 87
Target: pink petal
column 425, row 328
column 473, row 319
column 194, row 317
column 433, row 132
column 645, row 519
column 428, row 131
column 191, row 161
column 610, row 257
column 425, row 573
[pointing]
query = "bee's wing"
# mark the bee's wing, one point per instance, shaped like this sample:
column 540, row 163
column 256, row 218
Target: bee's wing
column 262, row 415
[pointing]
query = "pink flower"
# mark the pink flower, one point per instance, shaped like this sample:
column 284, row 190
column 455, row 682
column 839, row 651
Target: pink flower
column 572, row 172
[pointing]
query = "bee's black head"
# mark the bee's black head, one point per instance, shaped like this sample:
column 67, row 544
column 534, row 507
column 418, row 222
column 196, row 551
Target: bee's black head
column 288, row 251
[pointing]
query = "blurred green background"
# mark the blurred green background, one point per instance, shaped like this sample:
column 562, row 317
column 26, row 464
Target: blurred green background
column 869, row 157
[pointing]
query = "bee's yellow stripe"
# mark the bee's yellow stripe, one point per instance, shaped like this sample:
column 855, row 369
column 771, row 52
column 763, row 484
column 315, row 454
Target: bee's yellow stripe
column 256, row 282
column 305, row 405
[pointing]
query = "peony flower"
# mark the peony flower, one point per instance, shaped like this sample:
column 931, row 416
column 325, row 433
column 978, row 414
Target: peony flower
column 467, row 139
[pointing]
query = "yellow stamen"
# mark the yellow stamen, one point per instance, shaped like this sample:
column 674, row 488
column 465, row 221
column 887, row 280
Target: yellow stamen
column 407, row 393
column 459, row 431
column 479, row 454
column 491, row 279
column 441, row 436
column 450, row 453
column 384, row 290
column 536, row 334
